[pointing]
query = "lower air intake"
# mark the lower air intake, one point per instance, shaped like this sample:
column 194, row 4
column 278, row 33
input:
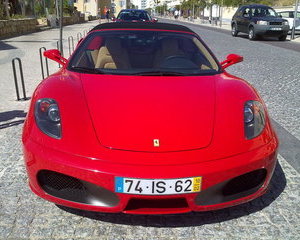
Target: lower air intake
column 72, row 189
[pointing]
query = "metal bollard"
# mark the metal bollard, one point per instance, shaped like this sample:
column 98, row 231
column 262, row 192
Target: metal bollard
column 79, row 36
column 69, row 42
column 46, row 62
column 16, row 80
column 57, row 46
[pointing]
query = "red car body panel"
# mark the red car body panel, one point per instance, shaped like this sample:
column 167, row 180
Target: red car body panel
column 129, row 112
column 103, row 173
column 109, row 123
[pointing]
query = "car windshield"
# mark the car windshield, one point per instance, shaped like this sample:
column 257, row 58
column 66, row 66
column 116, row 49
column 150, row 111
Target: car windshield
column 143, row 53
column 134, row 16
column 263, row 12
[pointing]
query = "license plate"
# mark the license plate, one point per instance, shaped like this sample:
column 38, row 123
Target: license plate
column 276, row 29
column 157, row 186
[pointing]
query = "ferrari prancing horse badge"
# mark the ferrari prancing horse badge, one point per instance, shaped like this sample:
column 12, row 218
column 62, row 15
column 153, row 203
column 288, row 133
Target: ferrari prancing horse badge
column 156, row 142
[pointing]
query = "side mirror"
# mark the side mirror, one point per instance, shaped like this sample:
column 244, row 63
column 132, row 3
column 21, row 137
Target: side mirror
column 246, row 15
column 279, row 15
column 55, row 55
column 230, row 60
column 154, row 20
column 113, row 19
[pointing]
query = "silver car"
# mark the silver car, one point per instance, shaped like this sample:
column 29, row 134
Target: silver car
column 289, row 15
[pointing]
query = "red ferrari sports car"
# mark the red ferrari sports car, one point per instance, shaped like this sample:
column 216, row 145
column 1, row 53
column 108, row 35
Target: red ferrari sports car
column 143, row 119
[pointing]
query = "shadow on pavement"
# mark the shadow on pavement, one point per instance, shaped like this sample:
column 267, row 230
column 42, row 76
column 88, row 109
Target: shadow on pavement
column 277, row 185
column 10, row 115
column 5, row 46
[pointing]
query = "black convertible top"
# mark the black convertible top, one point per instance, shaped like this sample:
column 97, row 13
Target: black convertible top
column 142, row 25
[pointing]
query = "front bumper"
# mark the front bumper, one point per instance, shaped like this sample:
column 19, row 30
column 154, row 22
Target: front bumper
column 271, row 30
column 63, row 179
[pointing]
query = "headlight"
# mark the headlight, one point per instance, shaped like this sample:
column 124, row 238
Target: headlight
column 262, row 22
column 47, row 117
column 254, row 119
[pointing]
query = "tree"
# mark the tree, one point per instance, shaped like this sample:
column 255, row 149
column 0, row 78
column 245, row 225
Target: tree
column 6, row 6
column 234, row 3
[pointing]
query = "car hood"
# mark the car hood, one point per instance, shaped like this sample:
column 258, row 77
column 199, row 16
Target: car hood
column 151, row 114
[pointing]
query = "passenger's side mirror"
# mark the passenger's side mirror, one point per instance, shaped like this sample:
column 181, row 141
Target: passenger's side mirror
column 55, row 55
column 230, row 60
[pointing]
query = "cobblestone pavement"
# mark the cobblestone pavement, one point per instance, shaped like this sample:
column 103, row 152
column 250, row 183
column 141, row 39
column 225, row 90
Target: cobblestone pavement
column 275, row 215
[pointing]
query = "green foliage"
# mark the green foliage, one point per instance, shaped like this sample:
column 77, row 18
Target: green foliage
column 193, row 3
column 244, row 2
column 68, row 9
column 39, row 9
column 161, row 9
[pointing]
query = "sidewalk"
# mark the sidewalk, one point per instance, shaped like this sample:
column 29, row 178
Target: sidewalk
column 226, row 25
column 26, row 47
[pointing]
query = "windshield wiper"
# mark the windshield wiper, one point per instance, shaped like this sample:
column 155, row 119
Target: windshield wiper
column 88, row 70
column 159, row 73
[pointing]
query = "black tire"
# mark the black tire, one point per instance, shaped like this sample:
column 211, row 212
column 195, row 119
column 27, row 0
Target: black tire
column 234, row 31
column 282, row 38
column 251, row 34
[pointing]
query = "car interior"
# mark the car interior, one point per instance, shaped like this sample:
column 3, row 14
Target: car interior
column 144, row 52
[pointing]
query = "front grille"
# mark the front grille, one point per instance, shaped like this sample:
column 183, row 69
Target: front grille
column 275, row 23
column 76, row 190
column 59, row 182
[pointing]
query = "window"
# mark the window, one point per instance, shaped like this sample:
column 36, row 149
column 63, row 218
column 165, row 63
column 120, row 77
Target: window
column 135, row 52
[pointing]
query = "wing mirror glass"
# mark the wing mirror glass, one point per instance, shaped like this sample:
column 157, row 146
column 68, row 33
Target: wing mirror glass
column 230, row 60
column 55, row 55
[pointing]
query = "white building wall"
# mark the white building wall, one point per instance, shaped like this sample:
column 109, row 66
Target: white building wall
column 136, row 3
column 143, row 4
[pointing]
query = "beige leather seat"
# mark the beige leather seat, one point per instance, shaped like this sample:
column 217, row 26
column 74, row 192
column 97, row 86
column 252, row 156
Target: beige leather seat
column 112, row 55
column 169, row 47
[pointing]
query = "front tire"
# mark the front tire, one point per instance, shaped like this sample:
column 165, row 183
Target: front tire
column 252, row 35
column 282, row 38
column 234, row 31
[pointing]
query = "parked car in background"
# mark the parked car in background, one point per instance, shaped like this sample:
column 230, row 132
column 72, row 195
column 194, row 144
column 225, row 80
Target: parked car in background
column 88, row 16
column 134, row 15
column 257, row 21
column 289, row 15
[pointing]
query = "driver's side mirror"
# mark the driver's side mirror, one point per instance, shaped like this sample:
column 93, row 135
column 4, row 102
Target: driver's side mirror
column 230, row 60
column 55, row 55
